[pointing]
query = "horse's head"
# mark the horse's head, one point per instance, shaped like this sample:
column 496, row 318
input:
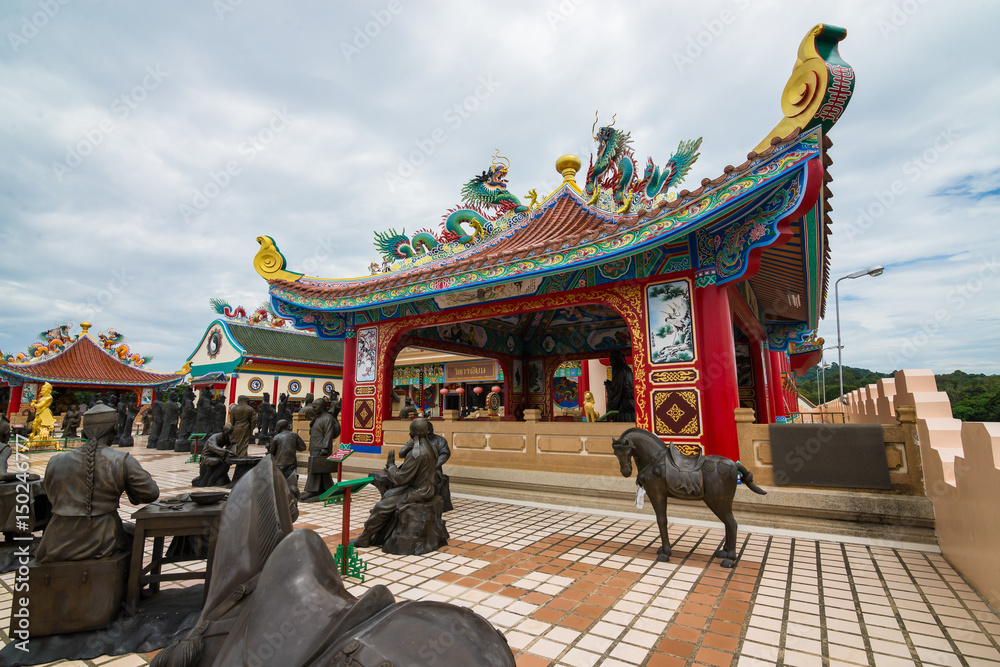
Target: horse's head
column 623, row 450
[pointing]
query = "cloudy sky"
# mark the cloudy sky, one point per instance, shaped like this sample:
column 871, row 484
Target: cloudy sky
column 144, row 146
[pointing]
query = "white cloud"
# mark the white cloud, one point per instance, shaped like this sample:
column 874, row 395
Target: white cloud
column 319, row 186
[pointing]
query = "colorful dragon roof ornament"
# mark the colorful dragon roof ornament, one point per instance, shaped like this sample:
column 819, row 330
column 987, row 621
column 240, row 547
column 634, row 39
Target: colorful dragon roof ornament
column 614, row 172
column 50, row 342
column 114, row 342
column 263, row 316
column 487, row 207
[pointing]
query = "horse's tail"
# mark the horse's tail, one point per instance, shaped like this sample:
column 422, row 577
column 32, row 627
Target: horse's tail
column 746, row 477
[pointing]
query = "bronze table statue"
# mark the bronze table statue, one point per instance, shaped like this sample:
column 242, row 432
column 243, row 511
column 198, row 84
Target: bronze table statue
column 276, row 600
column 666, row 473
column 85, row 487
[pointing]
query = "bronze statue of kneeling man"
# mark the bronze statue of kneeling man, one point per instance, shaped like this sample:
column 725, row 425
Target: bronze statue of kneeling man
column 216, row 458
column 408, row 519
column 85, row 487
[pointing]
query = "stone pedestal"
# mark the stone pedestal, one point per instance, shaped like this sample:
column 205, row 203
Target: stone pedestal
column 419, row 529
column 300, row 425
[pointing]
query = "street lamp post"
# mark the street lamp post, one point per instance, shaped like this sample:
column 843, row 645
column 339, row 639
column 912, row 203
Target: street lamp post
column 874, row 271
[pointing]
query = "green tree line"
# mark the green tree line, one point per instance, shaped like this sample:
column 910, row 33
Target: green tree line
column 973, row 396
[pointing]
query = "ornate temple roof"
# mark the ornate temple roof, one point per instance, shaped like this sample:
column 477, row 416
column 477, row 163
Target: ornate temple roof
column 765, row 220
column 84, row 361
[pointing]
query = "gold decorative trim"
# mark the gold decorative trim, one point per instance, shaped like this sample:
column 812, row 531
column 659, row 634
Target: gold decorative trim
column 364, row 391
column 685, row 375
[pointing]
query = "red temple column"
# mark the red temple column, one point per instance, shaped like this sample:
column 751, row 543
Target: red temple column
column 347, row 399
column 274, row 394
column 765, row 409
column 775, row 390
column 231, row 398
column 720, row 394
column 15, row 400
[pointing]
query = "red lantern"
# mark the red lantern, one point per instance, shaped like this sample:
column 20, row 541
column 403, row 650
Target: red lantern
column 496, row 389
column 460, row 391
column 444, row 391
column 477, row 390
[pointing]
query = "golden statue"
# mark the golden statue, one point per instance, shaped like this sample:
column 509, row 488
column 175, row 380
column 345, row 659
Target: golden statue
column 588, row 407
column 41, row 427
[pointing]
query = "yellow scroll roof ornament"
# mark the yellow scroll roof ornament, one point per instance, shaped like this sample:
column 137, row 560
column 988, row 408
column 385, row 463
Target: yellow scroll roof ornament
column 270, row 263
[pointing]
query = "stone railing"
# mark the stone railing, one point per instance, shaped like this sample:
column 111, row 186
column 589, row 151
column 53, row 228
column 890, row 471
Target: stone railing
column 961, row 463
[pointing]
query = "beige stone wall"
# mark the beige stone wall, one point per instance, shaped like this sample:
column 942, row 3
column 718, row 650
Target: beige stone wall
column 573, row 447
column 961, row 464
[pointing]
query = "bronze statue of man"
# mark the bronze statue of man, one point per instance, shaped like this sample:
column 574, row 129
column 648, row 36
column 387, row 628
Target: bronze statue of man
column 203, row 417
column 70, row 422
column 156, row 410
column 413, row 480
column 242, row 417
column 282, row 448
column 216, row 457
column 283, row 412
column 442, row 484
column 85, row 487
column 5, row 450
column 323, row 429
column 168, row 432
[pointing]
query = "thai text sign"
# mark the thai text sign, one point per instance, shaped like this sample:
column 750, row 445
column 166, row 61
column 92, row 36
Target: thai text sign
column 484, row 370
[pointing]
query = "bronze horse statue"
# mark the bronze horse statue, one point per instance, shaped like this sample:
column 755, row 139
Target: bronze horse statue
column 666, row 473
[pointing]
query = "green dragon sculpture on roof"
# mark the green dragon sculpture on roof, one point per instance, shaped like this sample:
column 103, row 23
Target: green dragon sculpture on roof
column 488, row 191
column 615, row 170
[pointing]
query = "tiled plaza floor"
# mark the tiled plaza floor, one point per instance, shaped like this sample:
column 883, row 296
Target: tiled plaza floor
column 577, row 589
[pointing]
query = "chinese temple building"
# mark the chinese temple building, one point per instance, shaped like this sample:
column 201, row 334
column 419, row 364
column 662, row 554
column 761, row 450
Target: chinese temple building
column 80, row 363
column 702, row 290
column 238, row 356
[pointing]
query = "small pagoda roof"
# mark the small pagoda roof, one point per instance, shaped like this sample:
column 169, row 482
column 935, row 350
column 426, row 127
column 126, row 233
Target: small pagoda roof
column 85, row 362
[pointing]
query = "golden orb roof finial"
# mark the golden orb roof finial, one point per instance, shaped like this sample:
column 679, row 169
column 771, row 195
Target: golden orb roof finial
column 568, row 165
column 84, row 328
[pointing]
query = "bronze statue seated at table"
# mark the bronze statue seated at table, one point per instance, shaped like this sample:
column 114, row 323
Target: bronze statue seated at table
column 82, row 558
column 276, row 599
column 408, row 519
column 216, row 457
